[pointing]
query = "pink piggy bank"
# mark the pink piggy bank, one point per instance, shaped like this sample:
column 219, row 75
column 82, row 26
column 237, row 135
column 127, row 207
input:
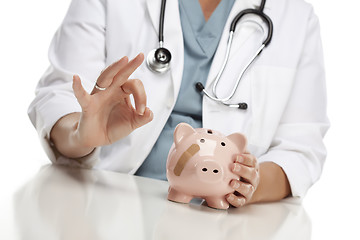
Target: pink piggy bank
column 198, row 165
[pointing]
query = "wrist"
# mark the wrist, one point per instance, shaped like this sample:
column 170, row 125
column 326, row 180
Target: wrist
column 273, row 185
column 77, row 146
column 66, row 137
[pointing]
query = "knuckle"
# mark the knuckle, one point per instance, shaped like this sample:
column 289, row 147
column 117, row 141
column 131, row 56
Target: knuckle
column 137, row 82
column 252, row 160
column 254, row 174
column 124, row 91
column 257, row 182
column 244, row 188
column 120, row 76
column 250, row 195
column 251, row 189
column 247, row 188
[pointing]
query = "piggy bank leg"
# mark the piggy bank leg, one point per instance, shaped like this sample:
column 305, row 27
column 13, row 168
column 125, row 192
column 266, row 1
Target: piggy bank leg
column 177, row 196
column 217, row 202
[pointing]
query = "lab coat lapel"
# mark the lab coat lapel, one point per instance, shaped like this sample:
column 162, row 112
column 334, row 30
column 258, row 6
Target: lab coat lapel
column 153, row 7
column 173, row 38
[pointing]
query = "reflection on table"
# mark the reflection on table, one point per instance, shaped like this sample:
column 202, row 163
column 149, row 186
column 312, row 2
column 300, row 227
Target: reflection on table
column 69, row 203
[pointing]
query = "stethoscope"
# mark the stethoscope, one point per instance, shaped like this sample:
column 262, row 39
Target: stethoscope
column 158, row 60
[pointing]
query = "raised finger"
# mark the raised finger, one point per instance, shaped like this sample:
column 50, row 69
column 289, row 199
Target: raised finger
column 248, row 173
column 106, row 77
column 124, row 73
column 136, row 88
column 81, row 95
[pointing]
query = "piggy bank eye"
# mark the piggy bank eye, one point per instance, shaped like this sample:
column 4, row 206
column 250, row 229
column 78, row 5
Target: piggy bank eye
column 202, row 140
column 223, row 144
column 209, row 132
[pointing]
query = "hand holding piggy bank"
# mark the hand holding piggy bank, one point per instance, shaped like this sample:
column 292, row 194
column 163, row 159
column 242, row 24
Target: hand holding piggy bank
column 198, row 165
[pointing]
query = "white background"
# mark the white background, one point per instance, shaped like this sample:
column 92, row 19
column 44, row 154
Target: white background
column 333, row 203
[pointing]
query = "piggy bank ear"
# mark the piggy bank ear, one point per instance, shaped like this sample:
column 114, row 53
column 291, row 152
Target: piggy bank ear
column 182, row 130
column 239, row 140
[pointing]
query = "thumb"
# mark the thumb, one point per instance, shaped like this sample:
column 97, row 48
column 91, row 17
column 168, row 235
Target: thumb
column 141, row 120
column 81, row 95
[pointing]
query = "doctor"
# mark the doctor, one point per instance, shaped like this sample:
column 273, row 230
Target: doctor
column 100, row 127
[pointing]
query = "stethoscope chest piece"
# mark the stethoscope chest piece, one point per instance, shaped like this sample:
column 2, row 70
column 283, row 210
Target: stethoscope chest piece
column 158, row 60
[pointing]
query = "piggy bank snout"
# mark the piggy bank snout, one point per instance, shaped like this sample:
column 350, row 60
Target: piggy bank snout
column 209, row 171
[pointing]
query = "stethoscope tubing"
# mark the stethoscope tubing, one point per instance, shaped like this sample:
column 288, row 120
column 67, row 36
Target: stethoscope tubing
column 218, row 76
column 156, row 64
column 259, row 13
column 161, row 23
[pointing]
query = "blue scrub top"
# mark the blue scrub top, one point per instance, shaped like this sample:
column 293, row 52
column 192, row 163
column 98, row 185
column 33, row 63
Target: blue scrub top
column 201, row 39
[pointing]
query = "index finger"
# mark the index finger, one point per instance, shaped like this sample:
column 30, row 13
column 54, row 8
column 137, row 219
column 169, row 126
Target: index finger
column 112, row 69
column 124, row 73
column 107, row 75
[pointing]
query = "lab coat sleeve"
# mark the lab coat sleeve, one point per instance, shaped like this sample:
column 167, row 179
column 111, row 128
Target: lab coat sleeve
column 78, row 47
column 297, row 146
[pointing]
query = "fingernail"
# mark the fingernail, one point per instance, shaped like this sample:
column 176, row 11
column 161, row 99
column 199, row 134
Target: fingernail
column 142, row 109
column 139, row 55
column 241, row 201
column 236, row 167
column 235, row 184
column 231, row 198
column 239, row 159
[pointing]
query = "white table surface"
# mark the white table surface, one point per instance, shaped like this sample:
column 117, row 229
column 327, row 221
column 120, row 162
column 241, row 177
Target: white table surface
column 67, row 203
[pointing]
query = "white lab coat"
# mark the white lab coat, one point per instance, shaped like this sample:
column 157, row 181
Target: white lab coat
column 285, row 88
